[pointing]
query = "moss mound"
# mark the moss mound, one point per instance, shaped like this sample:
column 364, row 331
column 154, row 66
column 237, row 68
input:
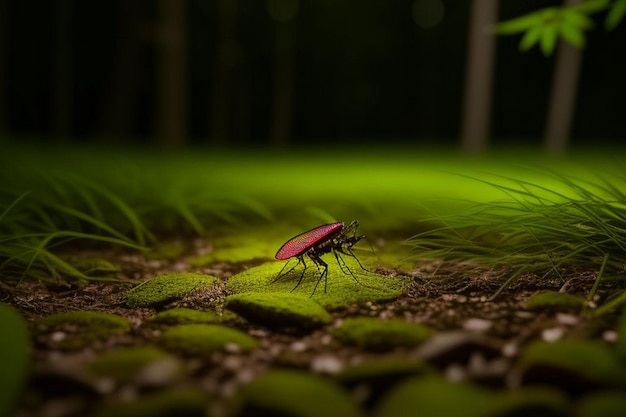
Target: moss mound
column 380, row 335
column 166, row 288
column 434, row 397
column 125, row 364
column 555, row 300
column 14, row 358
column 341, row 290
column 294, row 394
column 573, row 364
column 79, row 329
column 203, row 339
column 183, row 316
column 278, row 310
column 175, row 403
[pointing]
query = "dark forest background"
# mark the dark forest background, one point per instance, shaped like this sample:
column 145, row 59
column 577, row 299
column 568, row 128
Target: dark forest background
column 245, row 73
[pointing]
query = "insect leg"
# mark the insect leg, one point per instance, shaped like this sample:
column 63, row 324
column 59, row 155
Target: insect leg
column 340, row 260
column 281, row 274
column 300, row 259
column 318, row 261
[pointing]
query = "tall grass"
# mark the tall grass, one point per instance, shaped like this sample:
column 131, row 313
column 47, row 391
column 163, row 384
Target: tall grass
column 537, row 229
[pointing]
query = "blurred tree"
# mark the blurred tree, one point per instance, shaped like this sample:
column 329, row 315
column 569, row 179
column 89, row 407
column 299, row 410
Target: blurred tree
column 283, row 12
column 479, row 75
column 121, row 96
column 4, row 33
column 568, row 23
column 62, row 98
column 172, row 81
column 227, row 64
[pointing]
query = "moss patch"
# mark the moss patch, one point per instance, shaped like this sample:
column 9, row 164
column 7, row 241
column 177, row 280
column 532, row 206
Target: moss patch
column 433, row 396
column 342, row 289
column 78, row 329
column 175, row 403
column 183, row 316
column 278, row 310
column 578, row 361
column 14, row 358
column 601, row 404
column 124, row 364
column 555, row 300
column 382, row 371
column 202, row 339
column 380, row 335
column 295, row 394
column 166, row 288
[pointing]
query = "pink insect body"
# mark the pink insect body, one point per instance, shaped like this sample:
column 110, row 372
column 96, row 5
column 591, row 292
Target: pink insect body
column 333, row 237
column 298, row 245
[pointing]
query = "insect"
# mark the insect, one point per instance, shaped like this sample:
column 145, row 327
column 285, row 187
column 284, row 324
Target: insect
column 333, row 237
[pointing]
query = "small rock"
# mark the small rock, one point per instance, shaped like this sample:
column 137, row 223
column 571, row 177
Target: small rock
column 477, row 325
column 326, row 364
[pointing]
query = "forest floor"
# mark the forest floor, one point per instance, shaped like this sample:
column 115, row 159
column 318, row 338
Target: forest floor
column 476, row 338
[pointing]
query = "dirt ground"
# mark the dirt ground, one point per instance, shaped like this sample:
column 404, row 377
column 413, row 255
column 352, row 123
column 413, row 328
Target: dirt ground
column 477, row 336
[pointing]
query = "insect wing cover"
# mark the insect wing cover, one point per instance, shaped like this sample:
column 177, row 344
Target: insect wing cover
column 299, row 244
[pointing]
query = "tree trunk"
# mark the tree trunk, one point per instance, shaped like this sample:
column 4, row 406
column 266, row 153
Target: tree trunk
column 122, row 93
column 479, row 76
column 172, row 88
column 62, row 97
column 563, row 95
column 284, row 74
column 224, row 78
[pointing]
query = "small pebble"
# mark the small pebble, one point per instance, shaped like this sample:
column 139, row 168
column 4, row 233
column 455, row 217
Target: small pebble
column 609, row 336
column 298, row 346
column 553, row 334
column 567, row 319
column 477, row 325
column 455, row 373
column 326, row 364
column 509, row 350
column 58, row 336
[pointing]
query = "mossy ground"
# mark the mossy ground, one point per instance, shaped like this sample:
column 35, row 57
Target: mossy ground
column 339, row 289
column 380, row 335
column 204, row 339
column 125, row 364
column 279, row 310
column 78, row 329
column 165, row 288
column 183, row 316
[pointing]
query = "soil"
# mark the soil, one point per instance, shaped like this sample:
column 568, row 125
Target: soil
column 455, row 299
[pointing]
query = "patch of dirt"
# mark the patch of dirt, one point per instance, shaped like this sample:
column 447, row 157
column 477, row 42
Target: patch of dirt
column 453, row 299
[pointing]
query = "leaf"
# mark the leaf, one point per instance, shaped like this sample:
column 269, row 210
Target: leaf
column 573, row 35
column 14, row 358
column 577, row 19
column 548, row 40
column 519, row 24
column 590, row 6
column 615, row 15
column 530, row 38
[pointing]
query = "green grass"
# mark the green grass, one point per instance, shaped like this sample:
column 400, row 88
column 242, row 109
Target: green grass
column 579, row 226
column 52, row 197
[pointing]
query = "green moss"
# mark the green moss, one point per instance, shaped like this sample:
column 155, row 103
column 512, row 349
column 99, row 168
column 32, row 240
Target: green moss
column 175, row 403
column 202, row 339
column 434, row 397
column 95, row 267
column 588, row 360
column 124, row 364
column 14, row 358
column 620, row 345
column 342, row 289
column 167, row 288
column 555, row 300
column 601, row 404
column 278, row 310
column 386, row 371
column 380, row 335
column 183, row 316
column 82, row 328
column 165, row 250
column 294, row 394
